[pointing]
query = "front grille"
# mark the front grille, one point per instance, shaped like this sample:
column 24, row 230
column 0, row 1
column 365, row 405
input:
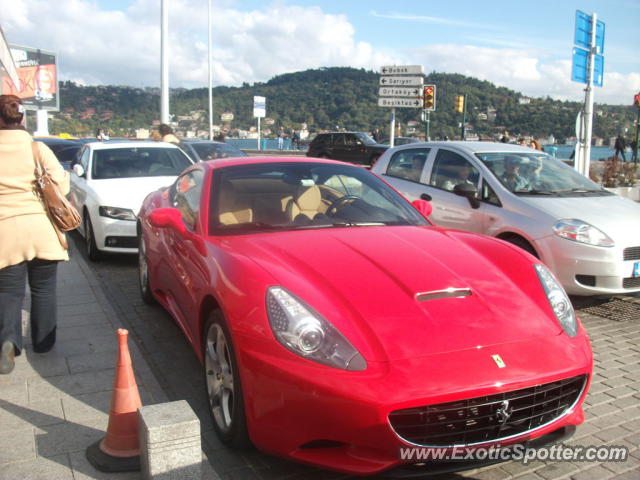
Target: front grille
column 631, row 253
column 488, row 418
column 588, row 280
column 631, row 282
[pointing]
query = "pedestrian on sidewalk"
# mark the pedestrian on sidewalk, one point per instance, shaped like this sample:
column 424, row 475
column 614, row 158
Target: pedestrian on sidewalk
column 620, row 146
column 29, row 245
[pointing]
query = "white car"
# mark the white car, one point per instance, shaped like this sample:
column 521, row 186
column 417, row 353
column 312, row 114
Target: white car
column 110, row 180
column 589, row 237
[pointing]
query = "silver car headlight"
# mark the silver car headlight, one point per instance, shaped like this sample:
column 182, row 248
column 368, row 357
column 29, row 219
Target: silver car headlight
column 306, row 333
column 558, row 300
column 117, row 213
column 583, row 232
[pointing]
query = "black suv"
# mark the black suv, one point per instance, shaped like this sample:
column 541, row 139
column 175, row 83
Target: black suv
column 354, row 147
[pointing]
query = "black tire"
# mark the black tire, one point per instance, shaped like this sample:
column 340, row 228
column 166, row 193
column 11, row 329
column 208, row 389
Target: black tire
column 143, row 272
column 523, row 244
column 93, row 252
column 222, row 383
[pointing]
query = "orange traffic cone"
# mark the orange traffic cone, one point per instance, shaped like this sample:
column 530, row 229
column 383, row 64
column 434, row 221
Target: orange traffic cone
column 119, row 450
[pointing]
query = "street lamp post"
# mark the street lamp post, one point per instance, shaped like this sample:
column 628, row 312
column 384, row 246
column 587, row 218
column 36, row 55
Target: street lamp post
column 164, row 62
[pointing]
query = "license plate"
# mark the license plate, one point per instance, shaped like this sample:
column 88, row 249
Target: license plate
column 636, row 270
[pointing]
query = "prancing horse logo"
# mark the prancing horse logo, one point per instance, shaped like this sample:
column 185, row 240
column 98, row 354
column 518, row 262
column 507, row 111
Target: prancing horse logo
column 504, row 411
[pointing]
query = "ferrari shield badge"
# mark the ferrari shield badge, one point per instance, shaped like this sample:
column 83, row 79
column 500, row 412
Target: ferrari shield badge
column 499, row 362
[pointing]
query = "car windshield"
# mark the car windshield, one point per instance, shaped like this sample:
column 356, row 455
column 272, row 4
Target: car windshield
column 533, row 173
column 366, row 139
column 210, row 151
column 290, row 196
column 138, row 162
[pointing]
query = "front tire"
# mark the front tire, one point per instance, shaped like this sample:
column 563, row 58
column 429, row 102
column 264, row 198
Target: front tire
column 93, row 252
column 143, row 272
column 224, row 387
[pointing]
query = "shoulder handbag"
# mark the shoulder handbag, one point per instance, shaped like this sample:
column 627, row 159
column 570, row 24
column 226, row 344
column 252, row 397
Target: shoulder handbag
column 62, row 214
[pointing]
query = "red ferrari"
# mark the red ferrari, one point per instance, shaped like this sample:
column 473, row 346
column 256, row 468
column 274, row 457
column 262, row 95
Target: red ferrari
column 337, row 325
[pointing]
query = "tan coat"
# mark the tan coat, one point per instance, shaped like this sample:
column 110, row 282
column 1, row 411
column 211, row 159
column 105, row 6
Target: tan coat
column 25, row 230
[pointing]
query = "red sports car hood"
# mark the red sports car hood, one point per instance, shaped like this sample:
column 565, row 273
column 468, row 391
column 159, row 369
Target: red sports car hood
column 366, row 281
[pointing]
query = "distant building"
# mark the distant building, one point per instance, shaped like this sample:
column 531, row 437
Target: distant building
column 524, row 101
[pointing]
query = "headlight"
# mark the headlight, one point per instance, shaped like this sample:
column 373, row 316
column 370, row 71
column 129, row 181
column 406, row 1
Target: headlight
column 117, row 213
column 306, row 333
column 558, row 300
column 582, row 232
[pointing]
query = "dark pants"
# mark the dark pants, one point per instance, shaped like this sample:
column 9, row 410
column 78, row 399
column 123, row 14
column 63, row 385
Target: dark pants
column 42, row 282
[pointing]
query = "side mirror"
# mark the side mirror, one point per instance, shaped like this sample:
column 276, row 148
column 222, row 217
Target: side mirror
column 469, row 191
column 78, row 170
column 423, row 207
column 168, row 218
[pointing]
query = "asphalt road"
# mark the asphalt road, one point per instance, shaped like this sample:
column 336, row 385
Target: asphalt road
column 612, row 408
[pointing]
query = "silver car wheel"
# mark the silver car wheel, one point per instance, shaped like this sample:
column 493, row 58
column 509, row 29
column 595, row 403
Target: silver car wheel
column 219, row 374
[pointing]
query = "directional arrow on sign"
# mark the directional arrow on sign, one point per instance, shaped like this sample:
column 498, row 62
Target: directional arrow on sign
column 399, row 92
column 402, row 70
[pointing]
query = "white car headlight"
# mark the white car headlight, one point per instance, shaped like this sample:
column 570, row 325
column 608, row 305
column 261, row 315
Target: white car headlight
column 558, row 300
column 306, row 333
column 117, row 213
column 582, row 232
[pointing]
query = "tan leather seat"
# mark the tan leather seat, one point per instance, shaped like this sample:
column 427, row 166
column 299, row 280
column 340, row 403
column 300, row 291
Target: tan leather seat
column 232, row 208
column 306, row 201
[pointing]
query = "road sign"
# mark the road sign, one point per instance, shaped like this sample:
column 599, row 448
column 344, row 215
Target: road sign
column 401, row 81
column 399, row 92
column 579, row 67
column 259, row 107
column 402, row 70
column 400, row 102
column 583, row 32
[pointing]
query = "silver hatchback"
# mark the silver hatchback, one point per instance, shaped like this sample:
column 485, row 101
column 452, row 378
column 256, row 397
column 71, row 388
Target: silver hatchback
column 588, row 236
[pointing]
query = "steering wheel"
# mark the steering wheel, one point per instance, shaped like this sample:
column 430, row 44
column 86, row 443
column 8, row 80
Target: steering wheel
column 339, row 203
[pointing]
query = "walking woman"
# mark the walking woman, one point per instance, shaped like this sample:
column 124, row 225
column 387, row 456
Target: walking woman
column 29, row 245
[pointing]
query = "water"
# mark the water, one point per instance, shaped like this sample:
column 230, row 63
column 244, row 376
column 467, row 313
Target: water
column 597, row 153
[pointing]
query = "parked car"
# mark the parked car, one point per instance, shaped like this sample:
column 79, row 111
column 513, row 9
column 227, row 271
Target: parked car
column 202, row 150
column 589, row 237
column 353, row 147
column 335, row 323
column 109, row 182
column 64, row 149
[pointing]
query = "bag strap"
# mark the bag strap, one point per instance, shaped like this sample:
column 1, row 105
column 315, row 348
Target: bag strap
column 36, row 158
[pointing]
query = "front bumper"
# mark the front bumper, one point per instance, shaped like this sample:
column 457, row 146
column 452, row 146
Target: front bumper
column 112, row 235
column 340, row 420
column 588, row 270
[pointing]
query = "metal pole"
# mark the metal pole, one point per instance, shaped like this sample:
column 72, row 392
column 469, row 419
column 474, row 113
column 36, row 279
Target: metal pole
column 635, row 148
column 392, row 134
column 210, row 81
column 428, row 125
column 258, row 133
column 588, row 107
column 464, row 115
column 164, row 62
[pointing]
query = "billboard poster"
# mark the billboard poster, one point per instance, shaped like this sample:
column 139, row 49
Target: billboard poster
column 38, row 75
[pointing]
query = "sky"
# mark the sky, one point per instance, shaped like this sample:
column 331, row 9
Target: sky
column 524, row 46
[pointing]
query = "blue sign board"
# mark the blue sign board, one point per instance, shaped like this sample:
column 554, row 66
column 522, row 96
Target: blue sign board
column 583, row 32
column 579, row 67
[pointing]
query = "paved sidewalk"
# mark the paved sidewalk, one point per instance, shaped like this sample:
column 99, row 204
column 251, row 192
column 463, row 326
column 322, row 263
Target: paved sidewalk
column 56, row 404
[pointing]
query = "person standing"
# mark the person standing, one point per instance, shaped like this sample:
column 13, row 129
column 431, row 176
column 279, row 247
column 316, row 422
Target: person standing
column 281, row 139
column 101, row 135
column 620, row 146
column 29, row 245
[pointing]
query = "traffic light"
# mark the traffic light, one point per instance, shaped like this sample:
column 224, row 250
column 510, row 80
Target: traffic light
column 460, row 103
column 636, row 100
column 429, row 97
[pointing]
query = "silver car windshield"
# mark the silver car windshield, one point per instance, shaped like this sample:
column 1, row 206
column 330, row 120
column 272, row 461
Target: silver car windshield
column 534, row 173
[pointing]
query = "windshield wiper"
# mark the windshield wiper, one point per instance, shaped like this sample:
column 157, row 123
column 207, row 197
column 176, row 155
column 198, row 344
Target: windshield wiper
column 534, row 191
column 254, row 225
column 581, row 190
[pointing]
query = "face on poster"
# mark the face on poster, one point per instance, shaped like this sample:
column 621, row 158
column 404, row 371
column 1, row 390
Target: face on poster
column 37, row 71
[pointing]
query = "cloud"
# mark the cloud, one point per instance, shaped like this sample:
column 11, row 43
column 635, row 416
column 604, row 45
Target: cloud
column 123, row 47
column 432, row 20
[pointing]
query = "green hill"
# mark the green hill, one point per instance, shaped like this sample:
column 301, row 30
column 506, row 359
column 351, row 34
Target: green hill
column 328, row 98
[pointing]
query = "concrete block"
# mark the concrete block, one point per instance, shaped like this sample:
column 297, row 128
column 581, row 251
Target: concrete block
column 169, row 442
